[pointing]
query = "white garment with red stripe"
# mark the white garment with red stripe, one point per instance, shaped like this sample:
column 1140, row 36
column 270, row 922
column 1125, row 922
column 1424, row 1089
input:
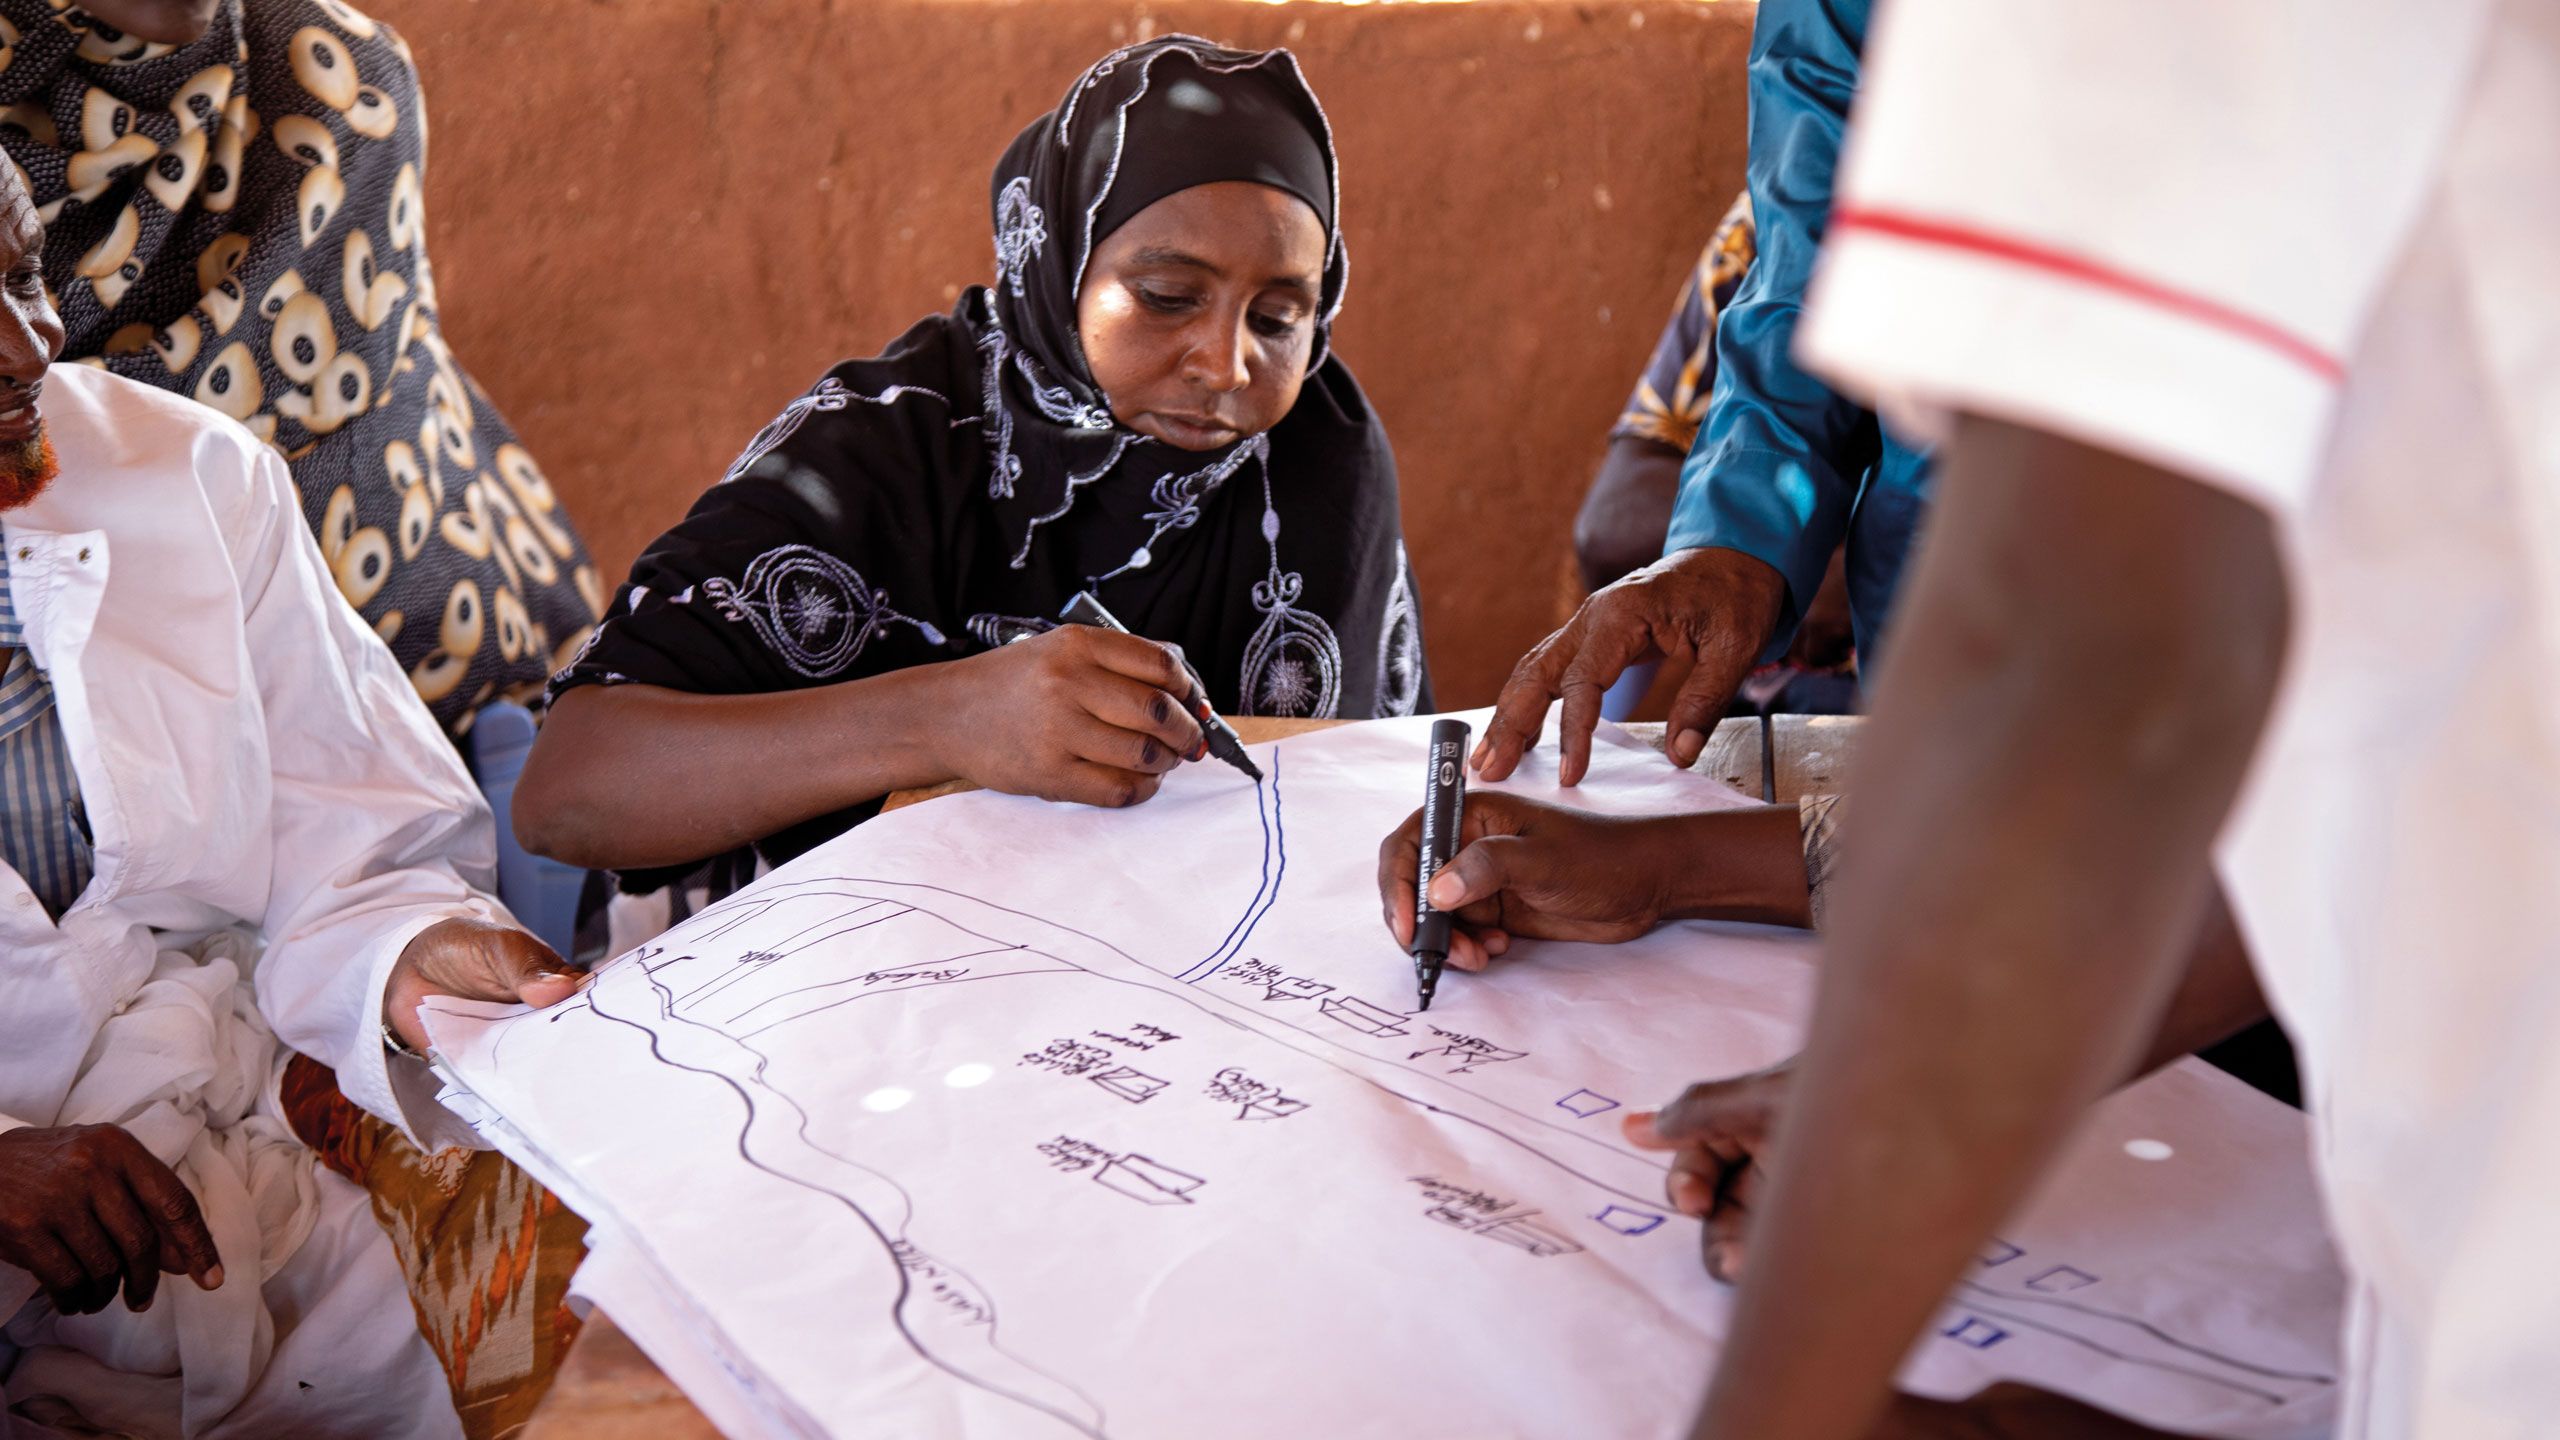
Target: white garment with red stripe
column 2308, row 250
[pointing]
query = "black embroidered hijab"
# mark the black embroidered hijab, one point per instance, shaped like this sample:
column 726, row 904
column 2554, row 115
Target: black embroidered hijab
column 962, row 486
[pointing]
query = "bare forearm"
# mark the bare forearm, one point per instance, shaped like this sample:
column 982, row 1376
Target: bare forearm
column 1951, row 1130
column 2217, row 997
column 633, row 776
column 1735, row 865
column 2059, row 739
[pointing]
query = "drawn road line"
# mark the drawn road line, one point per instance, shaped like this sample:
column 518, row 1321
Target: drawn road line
column 1275, row 842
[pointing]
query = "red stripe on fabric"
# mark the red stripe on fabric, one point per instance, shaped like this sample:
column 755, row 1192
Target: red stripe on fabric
column 2089, row 272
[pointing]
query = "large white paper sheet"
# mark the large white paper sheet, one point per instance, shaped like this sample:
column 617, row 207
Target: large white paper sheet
column 996, row 1118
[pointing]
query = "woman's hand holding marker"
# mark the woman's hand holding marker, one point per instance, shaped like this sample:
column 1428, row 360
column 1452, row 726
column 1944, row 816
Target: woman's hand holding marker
column 1076, row 713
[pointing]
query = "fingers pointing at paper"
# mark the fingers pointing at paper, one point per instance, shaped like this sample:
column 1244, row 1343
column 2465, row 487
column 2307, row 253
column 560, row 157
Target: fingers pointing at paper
column 1717, row 1132
column 1709, row 609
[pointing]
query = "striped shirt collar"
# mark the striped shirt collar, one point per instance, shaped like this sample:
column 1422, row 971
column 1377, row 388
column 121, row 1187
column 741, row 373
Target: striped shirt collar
column 24, row 693
column 13, row 632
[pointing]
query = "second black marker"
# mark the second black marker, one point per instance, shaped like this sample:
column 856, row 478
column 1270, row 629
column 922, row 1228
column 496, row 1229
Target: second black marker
column 1444, row 801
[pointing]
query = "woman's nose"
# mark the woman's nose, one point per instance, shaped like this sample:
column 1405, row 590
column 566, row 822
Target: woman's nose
column 1219, row 359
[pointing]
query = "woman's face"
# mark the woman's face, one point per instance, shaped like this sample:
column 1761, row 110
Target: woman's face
column 1198, row 314
column 162, row 22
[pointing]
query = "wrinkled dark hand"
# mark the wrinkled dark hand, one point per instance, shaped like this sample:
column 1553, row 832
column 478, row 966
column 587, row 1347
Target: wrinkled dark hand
column 1717, row 1133
column 1077, row 713
column 1712, row 610
column 1527, row 870
column 472, row 960
column 87, row 1211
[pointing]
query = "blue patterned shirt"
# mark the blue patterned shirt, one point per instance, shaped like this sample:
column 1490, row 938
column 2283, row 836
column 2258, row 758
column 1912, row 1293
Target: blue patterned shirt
column 43, row 833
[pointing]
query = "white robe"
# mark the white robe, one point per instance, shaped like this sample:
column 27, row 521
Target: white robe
column 2302, row 251
column 275, row 816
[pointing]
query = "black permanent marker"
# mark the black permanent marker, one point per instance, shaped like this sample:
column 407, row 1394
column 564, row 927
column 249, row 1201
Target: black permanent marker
column 1444, row 800
column 1223, row 740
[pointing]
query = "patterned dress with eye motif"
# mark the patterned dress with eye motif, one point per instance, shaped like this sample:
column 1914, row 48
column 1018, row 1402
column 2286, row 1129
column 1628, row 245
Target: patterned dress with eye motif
column 241, row 220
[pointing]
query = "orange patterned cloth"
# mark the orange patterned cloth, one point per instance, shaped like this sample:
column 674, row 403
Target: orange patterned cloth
column 1670, row 402
column 488, row 1252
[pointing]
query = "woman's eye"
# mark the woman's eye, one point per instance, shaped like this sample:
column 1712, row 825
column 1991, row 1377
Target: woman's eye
column 1274, row 326
column 1163, row 302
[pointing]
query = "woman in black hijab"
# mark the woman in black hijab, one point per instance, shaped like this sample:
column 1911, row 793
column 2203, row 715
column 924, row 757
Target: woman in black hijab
column 1143, row 406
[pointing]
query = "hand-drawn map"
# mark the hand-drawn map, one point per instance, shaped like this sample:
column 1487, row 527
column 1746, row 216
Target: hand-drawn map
column 997, row 1118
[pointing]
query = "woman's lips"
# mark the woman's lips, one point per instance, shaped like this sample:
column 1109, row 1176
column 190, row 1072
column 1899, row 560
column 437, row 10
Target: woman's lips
column 1194, row 432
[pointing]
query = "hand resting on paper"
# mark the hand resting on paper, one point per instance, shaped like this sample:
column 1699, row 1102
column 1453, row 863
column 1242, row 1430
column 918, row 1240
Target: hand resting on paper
column 1711, row 610
column 471, row 960
column 1526, row 870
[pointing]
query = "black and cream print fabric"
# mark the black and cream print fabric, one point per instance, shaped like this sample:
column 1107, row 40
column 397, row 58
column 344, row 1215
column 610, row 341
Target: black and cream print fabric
column 242, row 220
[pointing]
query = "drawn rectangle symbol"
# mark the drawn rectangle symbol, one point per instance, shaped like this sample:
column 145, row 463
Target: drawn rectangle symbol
column 2061, row 1278
column 1628, row 1221
column 1523, row 1233
column 1362, row 1016
column 1147, row 1180
column 1586, row 1104
column 1129, row 1084
column 1976, row 1332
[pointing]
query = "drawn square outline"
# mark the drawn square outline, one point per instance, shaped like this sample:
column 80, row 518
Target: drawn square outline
column 2061, row 1278
column 1975, row 1332
column 1627, row 1221
column 1999, row 1252
column 1586, row 1103
column 1130, row 1085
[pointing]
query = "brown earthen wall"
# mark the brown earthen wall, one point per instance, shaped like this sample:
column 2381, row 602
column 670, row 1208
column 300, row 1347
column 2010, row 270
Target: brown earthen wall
column 654, row 221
